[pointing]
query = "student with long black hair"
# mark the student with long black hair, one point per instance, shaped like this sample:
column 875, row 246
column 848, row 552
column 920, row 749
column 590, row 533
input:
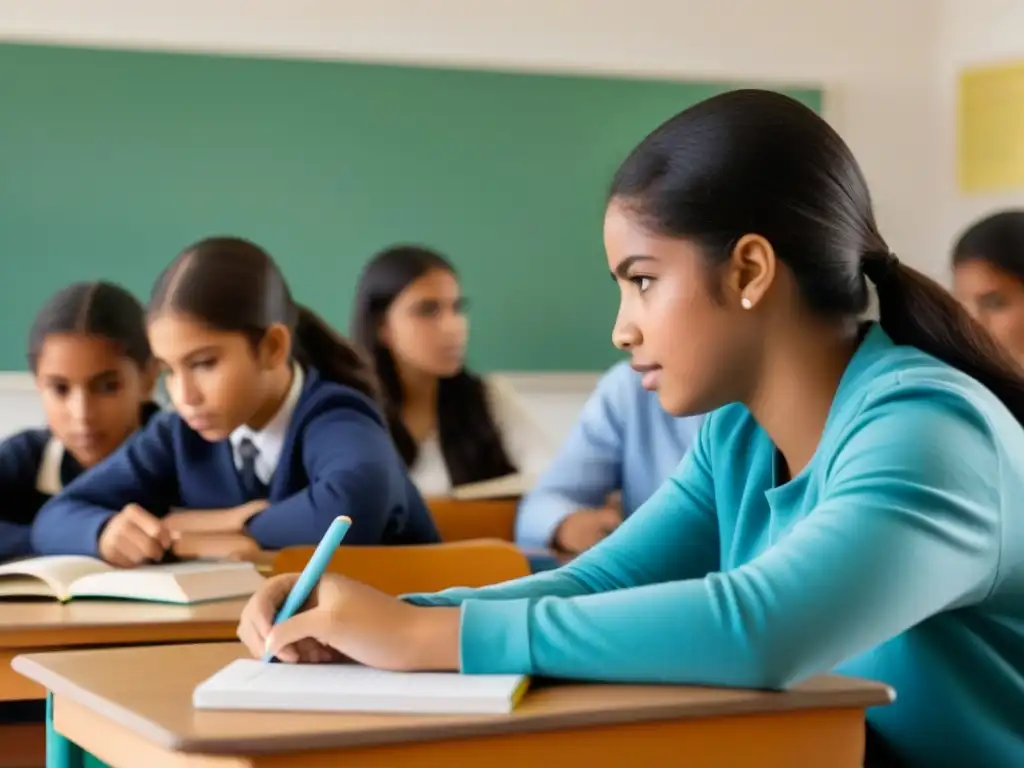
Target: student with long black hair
column 988, row 277
column 853, row 503
column 89, row 355
column 450, row 427
column 277, row 429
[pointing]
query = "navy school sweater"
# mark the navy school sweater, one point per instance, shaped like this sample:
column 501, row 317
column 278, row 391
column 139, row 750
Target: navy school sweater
column 337, row 459
column 33, row 467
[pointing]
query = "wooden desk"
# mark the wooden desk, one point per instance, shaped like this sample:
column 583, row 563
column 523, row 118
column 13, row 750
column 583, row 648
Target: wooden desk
column 132, row 707
column 39, row 626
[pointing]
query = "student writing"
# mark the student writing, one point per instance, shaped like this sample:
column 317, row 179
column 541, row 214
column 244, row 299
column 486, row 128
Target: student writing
column 276, row 431
column 450, row 427
column 853, row 500
column 91, row 362
column 988, row 277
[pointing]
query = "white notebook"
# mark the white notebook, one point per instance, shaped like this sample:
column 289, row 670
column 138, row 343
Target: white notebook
column 248, row 684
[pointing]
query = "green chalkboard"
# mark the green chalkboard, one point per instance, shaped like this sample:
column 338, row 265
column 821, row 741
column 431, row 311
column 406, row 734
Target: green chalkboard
column 111, row 161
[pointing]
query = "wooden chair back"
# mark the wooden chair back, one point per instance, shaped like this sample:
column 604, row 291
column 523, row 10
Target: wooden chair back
column 423, row 568
column 486, row 519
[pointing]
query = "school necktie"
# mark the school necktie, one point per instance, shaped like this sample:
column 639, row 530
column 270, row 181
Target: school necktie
column 254, row 487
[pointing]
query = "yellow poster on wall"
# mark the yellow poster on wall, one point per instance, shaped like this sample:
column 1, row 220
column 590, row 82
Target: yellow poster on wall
column 990, row 128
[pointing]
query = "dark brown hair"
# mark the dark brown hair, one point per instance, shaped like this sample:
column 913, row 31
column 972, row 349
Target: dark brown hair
column 758, row 162
column 94, row 309
column 997, row 239
column 470, row 439
column 234, row 285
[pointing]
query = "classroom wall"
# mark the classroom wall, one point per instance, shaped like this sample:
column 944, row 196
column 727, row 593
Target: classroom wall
column 874, row 56
column 876, row 59
column 971, row 33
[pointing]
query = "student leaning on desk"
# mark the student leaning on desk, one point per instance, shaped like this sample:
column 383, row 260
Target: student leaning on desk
column 853, row 504
column 276, row 429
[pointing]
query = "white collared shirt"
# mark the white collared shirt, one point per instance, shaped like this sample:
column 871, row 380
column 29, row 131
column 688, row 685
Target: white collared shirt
column 269, row 441
column 529, row 445
column 48, row 478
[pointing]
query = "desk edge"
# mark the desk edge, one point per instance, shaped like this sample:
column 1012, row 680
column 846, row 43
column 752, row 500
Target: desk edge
column 28, row 665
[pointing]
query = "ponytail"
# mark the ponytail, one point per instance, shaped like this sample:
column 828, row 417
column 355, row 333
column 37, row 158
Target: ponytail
column 319, row 345
column 756, row 161
column 916, row 311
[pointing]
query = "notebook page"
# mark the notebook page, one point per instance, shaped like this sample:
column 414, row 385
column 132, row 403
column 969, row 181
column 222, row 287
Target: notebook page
column 251, row 684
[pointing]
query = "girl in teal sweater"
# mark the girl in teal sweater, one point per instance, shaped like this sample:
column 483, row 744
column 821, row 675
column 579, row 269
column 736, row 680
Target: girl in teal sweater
column 853, row 503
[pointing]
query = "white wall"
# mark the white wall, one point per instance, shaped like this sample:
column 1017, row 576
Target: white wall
column 874, row 56
column 971, row 33
column 19, row 404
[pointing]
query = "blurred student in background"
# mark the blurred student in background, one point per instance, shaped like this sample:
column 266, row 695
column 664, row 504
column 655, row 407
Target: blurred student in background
column 88, row 352
column 451, row 427
column 276, row 430
column 92, row 365
column 988, row 277
column 623, row 442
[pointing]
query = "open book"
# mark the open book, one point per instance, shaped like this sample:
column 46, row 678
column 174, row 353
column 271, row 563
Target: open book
column 247, row 684
column 64, row 577
column 508, row 486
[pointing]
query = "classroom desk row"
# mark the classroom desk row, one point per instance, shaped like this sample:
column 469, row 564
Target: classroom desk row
column 132, row 707
column 36, row 627
column 141, row 714
column 31, row 627
column 395, row 570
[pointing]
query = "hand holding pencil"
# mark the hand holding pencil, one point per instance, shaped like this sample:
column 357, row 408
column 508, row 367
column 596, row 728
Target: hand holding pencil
column 318, row 617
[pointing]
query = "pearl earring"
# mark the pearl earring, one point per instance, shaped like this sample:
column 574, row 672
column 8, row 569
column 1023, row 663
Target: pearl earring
column 746, row 303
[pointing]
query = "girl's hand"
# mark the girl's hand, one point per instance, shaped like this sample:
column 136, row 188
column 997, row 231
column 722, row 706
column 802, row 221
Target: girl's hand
column 230, row 520
column 132, row 537
column 584, row 528
column 346, row 619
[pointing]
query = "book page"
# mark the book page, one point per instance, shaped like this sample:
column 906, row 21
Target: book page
column 58, row 572
column 498, row 488
column 187, row 582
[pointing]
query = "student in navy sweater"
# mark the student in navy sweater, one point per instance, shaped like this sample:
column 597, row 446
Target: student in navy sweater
column 92, row 365
column 90, row 357
column 277, row 429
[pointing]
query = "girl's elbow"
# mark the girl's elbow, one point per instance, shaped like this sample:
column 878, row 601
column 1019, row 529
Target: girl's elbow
column 780, row 670
column 38, row 536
